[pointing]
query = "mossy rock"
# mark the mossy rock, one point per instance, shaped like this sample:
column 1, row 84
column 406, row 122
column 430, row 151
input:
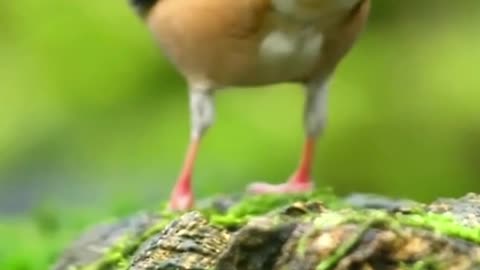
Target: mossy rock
column 291, row 232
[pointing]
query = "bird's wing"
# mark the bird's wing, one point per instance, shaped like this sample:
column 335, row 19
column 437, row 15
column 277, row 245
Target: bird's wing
column 340, row 39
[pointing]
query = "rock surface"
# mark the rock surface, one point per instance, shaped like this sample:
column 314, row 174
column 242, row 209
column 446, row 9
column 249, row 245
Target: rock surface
column 465, row 210
column 189, row 242
column 96, row 243
column 296, row 232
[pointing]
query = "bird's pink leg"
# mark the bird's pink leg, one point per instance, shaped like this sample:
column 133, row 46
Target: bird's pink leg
column 302, row 177
column 202, row 114
column 315, row 115
column 300, row 181
column 182, row 195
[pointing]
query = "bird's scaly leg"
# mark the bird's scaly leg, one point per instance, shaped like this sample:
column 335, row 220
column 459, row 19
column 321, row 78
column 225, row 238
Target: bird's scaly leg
column 315, row 117
column 202, row 115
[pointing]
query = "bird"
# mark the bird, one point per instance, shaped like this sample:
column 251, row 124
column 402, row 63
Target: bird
column 216, row 44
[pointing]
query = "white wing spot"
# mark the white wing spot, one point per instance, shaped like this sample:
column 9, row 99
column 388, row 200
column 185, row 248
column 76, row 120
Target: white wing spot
column 277, row 45
column 290, row 54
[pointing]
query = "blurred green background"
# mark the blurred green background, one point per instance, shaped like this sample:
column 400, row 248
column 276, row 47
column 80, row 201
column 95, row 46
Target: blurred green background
column 94, row 122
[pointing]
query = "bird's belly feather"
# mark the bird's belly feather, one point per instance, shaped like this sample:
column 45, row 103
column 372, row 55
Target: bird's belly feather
column 289, row 54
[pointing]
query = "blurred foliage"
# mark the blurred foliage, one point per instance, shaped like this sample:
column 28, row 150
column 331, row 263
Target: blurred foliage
column 92, row 116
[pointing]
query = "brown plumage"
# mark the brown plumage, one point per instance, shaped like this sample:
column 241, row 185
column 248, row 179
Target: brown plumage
column 220, row 43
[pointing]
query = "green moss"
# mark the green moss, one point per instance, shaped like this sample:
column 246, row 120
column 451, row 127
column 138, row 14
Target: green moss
column 302, row 245
column 441, row 224
column 344, row 249
column 252, row 206
column 117, row 256
column 112, row 258
column 425, row 264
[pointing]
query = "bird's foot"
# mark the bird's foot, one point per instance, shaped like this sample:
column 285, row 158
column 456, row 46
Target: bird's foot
column 288, row 187
column 182, row 198
column 181, row 202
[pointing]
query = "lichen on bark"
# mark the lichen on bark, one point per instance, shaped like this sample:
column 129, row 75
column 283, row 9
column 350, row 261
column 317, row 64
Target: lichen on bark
column 316, row 231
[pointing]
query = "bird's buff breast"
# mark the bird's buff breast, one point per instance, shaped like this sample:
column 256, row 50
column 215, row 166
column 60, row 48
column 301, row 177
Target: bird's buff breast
column 239, row 43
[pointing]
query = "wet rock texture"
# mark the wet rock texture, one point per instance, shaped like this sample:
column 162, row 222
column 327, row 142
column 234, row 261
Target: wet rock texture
column 365, row 232
column 189, row 242
column 466, row 210
column 98, row 242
